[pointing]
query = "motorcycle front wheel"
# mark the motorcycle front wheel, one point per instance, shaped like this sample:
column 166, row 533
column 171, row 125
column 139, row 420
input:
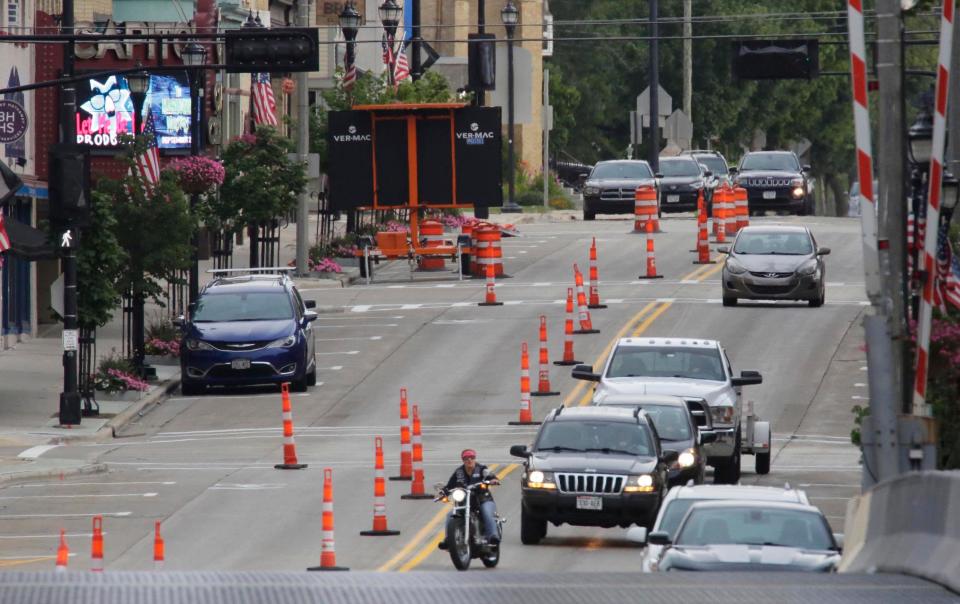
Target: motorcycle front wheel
column 457, row 543
column 492, row 559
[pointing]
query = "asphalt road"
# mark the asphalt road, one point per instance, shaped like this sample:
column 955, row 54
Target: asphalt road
column 204, row 465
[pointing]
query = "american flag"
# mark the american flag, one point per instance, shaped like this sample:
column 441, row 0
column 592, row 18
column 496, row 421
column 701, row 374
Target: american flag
column 387, row 51
column 947, row 285
column 264, row 105
column 147, row 165
column 401, row 70
column 4, row 238
column 350, row 76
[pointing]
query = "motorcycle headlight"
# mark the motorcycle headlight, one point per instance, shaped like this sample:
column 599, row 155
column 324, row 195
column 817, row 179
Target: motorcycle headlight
column 591, row 190
column 687, row 459
column 722, row 414
column 286, row 342
column 458, row 495
column 808, row 268
column 639, row 484
column 193, row 344
column 540, row 480
column 735, row 267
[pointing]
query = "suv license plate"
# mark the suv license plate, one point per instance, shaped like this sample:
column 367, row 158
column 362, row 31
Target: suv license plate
column 769, row 194
column 673, row 198
column 240, row 364
column 589, row 503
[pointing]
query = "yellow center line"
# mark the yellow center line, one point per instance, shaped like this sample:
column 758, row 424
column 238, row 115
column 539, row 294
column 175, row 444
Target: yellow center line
column 22, row 561
column 431, row 546
column 712, row 269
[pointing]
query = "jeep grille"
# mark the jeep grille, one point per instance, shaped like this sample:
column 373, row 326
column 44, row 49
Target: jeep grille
column 590, row 483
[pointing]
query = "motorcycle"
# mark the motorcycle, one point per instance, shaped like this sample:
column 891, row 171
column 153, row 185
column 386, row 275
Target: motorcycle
column 464, row 536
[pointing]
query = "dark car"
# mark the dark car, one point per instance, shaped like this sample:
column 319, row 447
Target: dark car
column 682, row 180
column 677, row 428
column 749, row 536
column 774, row 263
column 591, row 466
column 716, row 164
column 250, row 329
column 611, row 186
column 775, row 180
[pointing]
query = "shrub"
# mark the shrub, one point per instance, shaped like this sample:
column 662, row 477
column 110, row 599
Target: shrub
column 117, row 374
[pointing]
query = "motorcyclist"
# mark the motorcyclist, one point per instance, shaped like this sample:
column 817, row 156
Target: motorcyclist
column 471, row 473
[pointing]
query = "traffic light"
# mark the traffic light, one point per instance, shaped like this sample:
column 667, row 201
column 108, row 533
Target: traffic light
column 69, row 187
column 482, row 62
column 257, row 50
column 776, row 59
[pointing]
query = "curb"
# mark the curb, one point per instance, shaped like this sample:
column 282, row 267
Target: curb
column 95, row 468
column 138, row 409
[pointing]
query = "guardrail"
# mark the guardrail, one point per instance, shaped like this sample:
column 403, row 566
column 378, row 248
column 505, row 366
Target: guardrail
column 910, row 525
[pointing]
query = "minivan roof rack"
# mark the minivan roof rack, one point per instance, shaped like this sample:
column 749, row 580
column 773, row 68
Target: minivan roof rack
column 262, row 270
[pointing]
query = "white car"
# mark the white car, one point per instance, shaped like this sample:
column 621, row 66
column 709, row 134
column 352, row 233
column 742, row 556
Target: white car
column 679, row 499
column 696, row 368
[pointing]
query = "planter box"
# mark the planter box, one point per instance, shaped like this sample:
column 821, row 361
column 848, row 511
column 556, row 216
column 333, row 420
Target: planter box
column 128, row 396
column 156, row 359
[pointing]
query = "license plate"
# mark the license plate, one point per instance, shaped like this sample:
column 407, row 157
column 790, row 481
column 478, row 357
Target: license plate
column 769, row 194
column 673, row 198
column 240, row 364
column 585, row 502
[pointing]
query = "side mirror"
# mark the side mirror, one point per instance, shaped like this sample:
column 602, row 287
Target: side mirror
column 807, row 168
column 582, row 178
column 520, row 451
column 823, row 251
column 708, row 174
column 723, row 249
column 732, row 171
column 309, row 317
column 669, row 456
column 748, row 378
column 637, row 534
column 658, row 538
column 179, row 322
column 310, row 303
column 585, row 372
column 707, row 437
column 658, row 175
column 838, row 537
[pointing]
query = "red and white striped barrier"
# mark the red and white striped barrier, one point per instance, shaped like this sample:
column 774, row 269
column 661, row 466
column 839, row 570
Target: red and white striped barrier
column 934, row 195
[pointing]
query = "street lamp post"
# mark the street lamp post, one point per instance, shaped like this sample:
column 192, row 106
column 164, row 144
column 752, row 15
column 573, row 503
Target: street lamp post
column 920, row 137
column 139, row 83
column 194, row 56
column 509, row 15
column 349, row 24
column 390, row 15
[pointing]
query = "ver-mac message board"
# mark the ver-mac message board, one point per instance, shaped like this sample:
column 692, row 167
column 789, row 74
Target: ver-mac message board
column 397, row 156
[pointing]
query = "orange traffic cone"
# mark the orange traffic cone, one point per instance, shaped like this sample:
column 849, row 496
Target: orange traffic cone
column 526, row 414
column 703, row 242
column 417, row 490
column 594, row 278
column 651, row 258
column 543, row 385
column 96, row 548
column 63, row 552
column 158, row 548
column 406, row 450
column 491, row 299
column 568, row 358
column 586, row 325
column 289, row 446
column 379, row 495
column 743, row 207
column 328, row 550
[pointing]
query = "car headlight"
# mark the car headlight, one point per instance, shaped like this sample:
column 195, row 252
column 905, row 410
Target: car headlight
column 589, row 190
column 286, row 342
column 697, row 184
column 735, row 267
column 687, row 458
column 458, row 495
column 193, row 344
column 808, row 268
column 722, row 414
column 541, row 480
column 639, row 484
column 797, row 192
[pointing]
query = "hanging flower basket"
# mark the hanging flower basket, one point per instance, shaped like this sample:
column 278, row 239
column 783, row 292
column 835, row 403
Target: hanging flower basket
column 197, row 174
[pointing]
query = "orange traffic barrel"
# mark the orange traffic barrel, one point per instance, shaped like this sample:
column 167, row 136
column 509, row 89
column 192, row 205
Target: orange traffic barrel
column 431, row 232
column 487, row 250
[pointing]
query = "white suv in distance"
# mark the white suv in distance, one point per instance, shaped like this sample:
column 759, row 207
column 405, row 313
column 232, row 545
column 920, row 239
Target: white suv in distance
column 688, row 367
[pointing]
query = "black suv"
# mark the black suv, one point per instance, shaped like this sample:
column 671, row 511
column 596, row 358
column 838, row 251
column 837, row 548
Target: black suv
column 717, row 165
column 611, row 185
column 682, row 179
column 592, row 466
column 775, row 180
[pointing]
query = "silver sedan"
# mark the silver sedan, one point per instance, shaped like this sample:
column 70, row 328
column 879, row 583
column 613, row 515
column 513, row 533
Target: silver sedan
column 774, row 263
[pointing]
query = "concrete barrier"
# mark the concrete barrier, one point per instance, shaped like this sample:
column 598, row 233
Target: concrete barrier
column 910, row 525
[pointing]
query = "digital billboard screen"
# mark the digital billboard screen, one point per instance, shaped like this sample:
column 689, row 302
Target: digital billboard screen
column 105, row 111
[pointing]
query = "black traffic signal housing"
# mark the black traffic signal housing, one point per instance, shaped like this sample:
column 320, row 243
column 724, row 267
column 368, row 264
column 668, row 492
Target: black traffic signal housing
column 258, row 50
column 482, row 62
column 69, row 185
column 776, row 59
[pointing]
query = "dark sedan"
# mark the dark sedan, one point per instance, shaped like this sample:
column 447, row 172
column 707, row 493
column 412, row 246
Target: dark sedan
column 611, row 185
column 682, row 180
column 774, row 263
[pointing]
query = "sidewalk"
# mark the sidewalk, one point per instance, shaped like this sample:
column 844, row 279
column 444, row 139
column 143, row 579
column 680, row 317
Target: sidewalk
column 31, row 379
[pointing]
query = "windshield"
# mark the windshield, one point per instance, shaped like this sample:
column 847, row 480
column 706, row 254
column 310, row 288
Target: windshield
column 781, row 162
column 714, row 164
column 666, row 361
column 679, row 167
column 790, row 244
column 671, row 422
column 674, row 513
column 622, row 170
column 620, row 437
column 243, row 306
column 754, row 526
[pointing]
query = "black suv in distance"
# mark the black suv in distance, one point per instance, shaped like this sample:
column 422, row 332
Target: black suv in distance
column 682, row 179
column 717, row 165
column 592, row 466
column 610, row 186
column 775, row 180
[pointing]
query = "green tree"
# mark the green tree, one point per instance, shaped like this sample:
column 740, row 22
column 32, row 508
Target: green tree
column 99, row 261
column 565, row 100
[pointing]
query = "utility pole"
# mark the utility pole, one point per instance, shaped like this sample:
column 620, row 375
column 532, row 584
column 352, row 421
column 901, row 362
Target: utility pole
column 546, row 138
column 953, row 114
column 415, row 69
column 891, row 154
column 303, row 150
column 688, row 58
column 654, row 154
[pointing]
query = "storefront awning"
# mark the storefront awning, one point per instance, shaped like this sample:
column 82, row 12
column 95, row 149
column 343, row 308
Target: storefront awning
column 27, row 242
